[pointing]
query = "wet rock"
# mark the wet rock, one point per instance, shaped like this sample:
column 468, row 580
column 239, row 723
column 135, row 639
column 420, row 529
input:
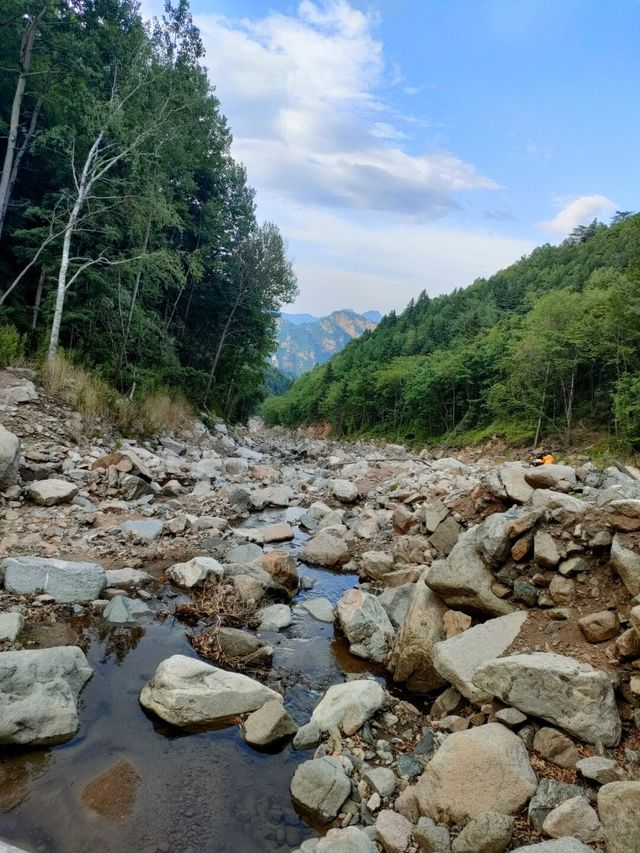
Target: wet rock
column 275, row 617
column 9, row 458
column 393, row 831
column 572, row 695
column 561, row 477
column 556, row 747
column 458, row 658
column 268, row 724
column 147, row 530
column 626, row 562
column 599, row 769
column 187, row 692
column 430, row 837
column 488, row 833
column 39, row 691
column 128, row 578
column 242, row 647
column 475, row 771
column 320, row 608
column 66, row 581
column 325, row 549
column 365, row 624
column 619, row 810
column 548, row 796
column 376, row 564
column 51, row 492
column 601, row 626
column 10, row 626
column 307, row 736
column 113, row 795
column 121, row 610
column 195, row 572
column 279, row 532
column 344, row 491
column 320, row 787
column 574, row 818
column 348, row 705
column 380, row 779
column 281, row 565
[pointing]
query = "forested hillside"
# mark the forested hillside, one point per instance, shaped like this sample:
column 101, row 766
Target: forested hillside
column 128, row 232
column 548, row 345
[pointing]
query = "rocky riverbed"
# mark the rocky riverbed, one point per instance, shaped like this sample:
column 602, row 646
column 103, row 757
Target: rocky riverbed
column 247, row 640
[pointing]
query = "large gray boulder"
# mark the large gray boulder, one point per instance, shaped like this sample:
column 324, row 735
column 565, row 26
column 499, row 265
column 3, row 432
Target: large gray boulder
column 619, row 810
column 457, row 658
column 52, row 492
column 352, row 839
column 412, row 656
column 320, row 787
column 512, row 475
column 626, row 562
column 268, row 724
column 348, row 705
column 195, row 572
column 572, row 695
column 68, row 582
column 39, row 690
column 475, row 771
column 9, row 458
column 561, row 477
column 242, row 647
column 187, row 692
column 365, row 624
column 344, row 491
column 325, row 549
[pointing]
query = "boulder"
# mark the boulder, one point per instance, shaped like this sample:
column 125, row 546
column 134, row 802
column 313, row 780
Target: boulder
column 39, row 691
column 411, row 660
column 365, row 624
column 352, row 839
column 281, row 565
column 560, row 845
column 127, row 578
column 430, row 837
column 146, row 530
column 348, row 705
column 278, row 532
column 626, row 562
column 464, row 580
column 187, row 692
column 561, row 477
column 550, row 794
column 275, row 617
column 619, row 810
column 475, row 771
column 122, row 609
column 393, row 831
column 457, row 658
column 396, row 601
column 325, row 549
column 10, row 625
column 545, row 550
column 512, row 475
column 488, row 833
column 268, row 724
column 9, row 458
column 242, row 647
column 277, row 496
column 572, row 695
column 320, row 787
column 492, row 537
column 344, row 491
column 51, row 492
column 320, row 608
column 68, row 582
column 195, row 572
column 599, row 627
column 574, row 818
column 376, row 564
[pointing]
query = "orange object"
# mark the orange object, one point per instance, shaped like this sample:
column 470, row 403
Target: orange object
column 547, row 459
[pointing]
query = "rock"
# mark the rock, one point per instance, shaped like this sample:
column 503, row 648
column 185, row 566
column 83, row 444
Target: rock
column 464, row 581
column 195, row 572
column 402, row 519
column 121, row 610
column 51, row 492
column 275, row 617
column 561, row 477
column 279, row 532
column 127, row 578
column 475, row 771
column 348, row 705
column 146, row 530
column 320, row 608
column 430, row 837
column 352, row 839
column 562, row 590
column 601, row 626
column 573, row 566
column 562, row 845
column 67, row 582
column 278, row 496
column 242, row 647
column 556, row 747
column 39, row 691
column 10, row 625
column 396, row 601
column 320, row 787
column 375, row 564
column 455, row 622
column 634, row 618
column 132, row 488
column 458, row 658
column 434, row 514
column 626, row 563
column 550, row 794
column 244, row 553
column 445, row 535
column 411, row 660
column 325, row 549
column 619, row 810
column 344, row 491
column 380, row 779
column 628, row 644
column 113, row 794
column 574, row 818
column 488, row 833
column 512, row 475
column 281, row 565
column 511, row 717
column 572, row 695
column 598, row 769
column 545, row 550
column 9, row 458
column 492, row 536
column 365, row 624
column 393, row 831
column 307, row 736
column 268, row 724
column 187, row 692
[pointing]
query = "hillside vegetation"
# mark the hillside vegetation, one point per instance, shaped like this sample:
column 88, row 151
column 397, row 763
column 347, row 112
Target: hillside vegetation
column 129, row 235
column 546, row 346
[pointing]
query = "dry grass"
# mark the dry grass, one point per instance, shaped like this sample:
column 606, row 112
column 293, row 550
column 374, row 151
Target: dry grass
column 161, row 411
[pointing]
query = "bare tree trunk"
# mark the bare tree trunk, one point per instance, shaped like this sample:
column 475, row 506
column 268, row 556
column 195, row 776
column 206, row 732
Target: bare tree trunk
column 36, row 304
column 26, row 49
column 134, row 296
column 223, row 337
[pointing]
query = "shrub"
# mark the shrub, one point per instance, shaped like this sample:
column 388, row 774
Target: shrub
column 11, row 346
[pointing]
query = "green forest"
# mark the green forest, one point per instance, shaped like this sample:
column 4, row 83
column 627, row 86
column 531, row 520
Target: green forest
column 129, row 237
column 544, row 350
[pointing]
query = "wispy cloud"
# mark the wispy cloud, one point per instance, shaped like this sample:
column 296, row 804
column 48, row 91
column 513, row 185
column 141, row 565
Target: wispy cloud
column 577, row 211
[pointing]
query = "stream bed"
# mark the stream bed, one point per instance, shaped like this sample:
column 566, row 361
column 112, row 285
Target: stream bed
column 205, row 791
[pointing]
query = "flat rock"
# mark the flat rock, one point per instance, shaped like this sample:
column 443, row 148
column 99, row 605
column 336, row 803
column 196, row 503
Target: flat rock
column 275, row 617
column 122, row 609
column 348, row 705
column 51, row 492
column 66, row 581
column 365, row 624
column 325, row 549
column 278, row 532
column 320, row 608
column 457, row 658
column 268, row 724
column 599, row 769
column 146, row 530
column 619, row 810
column 187, row 692
column 39, row 691
column 10, row 625
column 128, row 578
column 320, row 787
column 475, row 771
column 572, row 695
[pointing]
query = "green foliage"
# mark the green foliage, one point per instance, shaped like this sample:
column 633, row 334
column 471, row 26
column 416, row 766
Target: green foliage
column 11, row 346
column 546, row 346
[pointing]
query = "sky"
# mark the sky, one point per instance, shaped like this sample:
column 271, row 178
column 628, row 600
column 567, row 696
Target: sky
column 408, row 145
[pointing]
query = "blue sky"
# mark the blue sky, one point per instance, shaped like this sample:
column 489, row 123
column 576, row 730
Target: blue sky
column 404, row 145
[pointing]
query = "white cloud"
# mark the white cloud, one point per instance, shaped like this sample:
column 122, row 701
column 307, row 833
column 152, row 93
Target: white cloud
column 578, row 211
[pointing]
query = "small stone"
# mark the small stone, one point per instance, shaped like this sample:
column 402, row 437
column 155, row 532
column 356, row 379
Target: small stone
column 430, row 837
column 393, row 831
column 374, row 802
column 511, row 717
column 574, row 818
column 562, row 590
column 599, row 769
column 307, row 736
column 268, row 724
column 573, row 566
column 381, row 779
column 556, row 747
column 487, row 833
column 545, row 550
column 601, row 626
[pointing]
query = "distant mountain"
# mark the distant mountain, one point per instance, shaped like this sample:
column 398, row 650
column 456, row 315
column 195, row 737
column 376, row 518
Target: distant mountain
column 305, row 340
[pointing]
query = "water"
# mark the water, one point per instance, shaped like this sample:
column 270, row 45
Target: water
column 196, row 792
